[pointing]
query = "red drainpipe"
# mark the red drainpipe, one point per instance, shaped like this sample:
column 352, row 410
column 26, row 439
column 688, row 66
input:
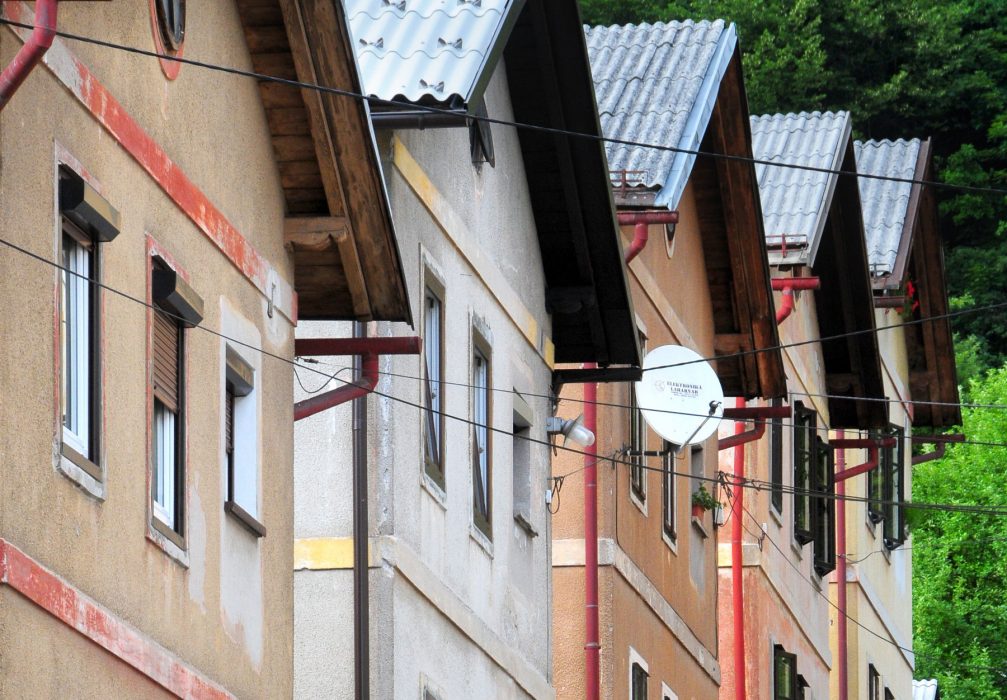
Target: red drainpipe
column 840, row 444
column 592, row 639
column 370, row 348
column 31, row 52
column 758, row 414
column 940, row 442
column 788, row 285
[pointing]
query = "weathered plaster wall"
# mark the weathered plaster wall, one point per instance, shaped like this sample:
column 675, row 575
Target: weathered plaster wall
column 214, row 129
column 505, row 582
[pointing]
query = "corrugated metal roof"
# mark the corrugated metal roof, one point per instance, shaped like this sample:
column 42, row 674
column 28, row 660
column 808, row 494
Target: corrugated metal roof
column 657, row 83
column 795, row 203
column 885, row 204
column 433, row 49
column 925, row 690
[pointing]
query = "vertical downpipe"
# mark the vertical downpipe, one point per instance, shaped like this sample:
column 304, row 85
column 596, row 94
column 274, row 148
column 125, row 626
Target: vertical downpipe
column 361, row 602
column 737, row 590
column 841, row 572
column 592, row 642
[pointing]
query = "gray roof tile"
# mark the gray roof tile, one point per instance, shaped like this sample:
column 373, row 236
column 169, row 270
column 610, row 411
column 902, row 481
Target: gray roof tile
column 434, row 49
column 795, row 203
column 657, row 83
column 885, row 204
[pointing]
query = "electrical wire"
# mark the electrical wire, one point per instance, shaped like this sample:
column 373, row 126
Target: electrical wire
column 746, row 483
column 373, row 100
column 889, row 639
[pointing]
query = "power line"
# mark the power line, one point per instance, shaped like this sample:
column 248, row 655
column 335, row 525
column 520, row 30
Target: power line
column 889, row 639
column 748, row 483
column 504, row 122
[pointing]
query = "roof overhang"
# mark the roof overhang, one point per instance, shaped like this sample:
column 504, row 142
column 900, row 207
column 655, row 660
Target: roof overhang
column 932, row 374
column 845, row 307
column 587, row 291
column 339, row 226
column 734, row 247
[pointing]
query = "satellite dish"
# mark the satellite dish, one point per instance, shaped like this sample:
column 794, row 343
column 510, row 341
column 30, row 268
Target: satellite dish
column 676, row 398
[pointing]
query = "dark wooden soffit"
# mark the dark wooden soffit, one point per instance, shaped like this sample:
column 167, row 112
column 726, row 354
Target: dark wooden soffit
column 845, row 304
column 338, row 227
column 735, row 253
column 929, row 346
column 587, row 291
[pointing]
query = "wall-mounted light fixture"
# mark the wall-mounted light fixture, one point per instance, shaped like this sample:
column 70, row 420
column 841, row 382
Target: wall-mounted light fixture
column 572, row 430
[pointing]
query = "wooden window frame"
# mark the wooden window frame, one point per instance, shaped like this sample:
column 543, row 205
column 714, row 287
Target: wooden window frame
column 776, row 459
column 669, row 495
column 805, row 432
column 482, row 421
column 433, row 390
column 786, row 663
column 824, row 508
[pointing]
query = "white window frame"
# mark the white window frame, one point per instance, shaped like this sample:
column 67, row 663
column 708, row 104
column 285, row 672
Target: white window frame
column 164, row 464
column 433, row 385
column 635, row 659
column 243, row 483
column 77, row 343
column 481, row 445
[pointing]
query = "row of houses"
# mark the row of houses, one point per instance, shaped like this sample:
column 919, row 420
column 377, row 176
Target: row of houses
column 301, row 366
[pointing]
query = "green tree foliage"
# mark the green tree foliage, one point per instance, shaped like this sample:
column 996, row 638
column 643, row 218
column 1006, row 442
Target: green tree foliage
column 904, row 69
column 959, row 571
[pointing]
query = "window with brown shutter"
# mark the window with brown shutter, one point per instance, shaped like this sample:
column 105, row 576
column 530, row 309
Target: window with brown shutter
column 166, row 334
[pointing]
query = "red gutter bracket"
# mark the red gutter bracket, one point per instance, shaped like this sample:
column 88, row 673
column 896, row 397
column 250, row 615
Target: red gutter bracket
column 31, row 52
column 369, row 348
column 939, row 441
column 758, row 414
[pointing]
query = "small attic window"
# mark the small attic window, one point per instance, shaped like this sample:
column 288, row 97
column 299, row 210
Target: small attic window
column 481, row 137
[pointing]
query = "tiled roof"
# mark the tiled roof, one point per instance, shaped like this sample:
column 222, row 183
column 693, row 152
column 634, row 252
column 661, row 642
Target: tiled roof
column 432, row 49
column 657, row 84
column 885, row 204
column 795, row 203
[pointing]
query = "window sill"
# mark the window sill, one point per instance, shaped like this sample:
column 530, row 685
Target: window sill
column 639, row 501
column 69, row 466
column 481, row 539
column 246, row 519
column 171, row 544
column 700, row 527
column 434, row 490
column 524, row 522
column 672, row 542
column 775, row 515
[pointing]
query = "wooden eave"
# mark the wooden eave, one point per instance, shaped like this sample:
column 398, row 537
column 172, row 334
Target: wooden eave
column 587, row 290
column 929, row 345
column 845, row 304
column 734, row 248
column 338, row 227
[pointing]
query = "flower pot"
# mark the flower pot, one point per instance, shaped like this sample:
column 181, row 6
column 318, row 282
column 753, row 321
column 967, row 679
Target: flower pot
column 698, row 511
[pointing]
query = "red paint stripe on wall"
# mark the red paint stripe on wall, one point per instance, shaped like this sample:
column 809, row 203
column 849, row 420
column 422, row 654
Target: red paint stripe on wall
column 110, row 113
column 76, row 610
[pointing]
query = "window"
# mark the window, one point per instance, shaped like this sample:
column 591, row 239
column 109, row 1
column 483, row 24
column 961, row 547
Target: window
column 823, row 515
column 669, row 507
column 638, row 682
column 86, row 222
column 776, row 458
column 873, row 683
column 785, row 686
column 892, row 477
column 889, row 695
column 875, row 482
column 241, row 442
column 802, row 686
column 481, row 466
column 521, row 457
column 805, row 432
column 433, row 337
column 637, row 446
column 79, row 348
column 176, row 307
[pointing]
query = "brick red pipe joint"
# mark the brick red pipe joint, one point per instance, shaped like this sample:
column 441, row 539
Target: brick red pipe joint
column 369, row 348
column 31, row 52
column 641, row 220
column 788, row 285
column 759, row 414
column 940, row 443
